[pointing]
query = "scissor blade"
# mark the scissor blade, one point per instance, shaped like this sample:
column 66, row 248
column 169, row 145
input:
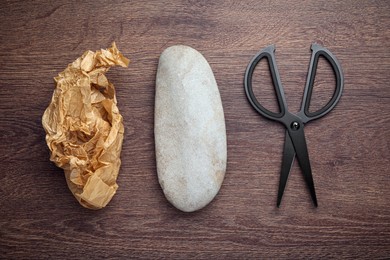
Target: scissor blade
column 287, row 162
column 299, row 142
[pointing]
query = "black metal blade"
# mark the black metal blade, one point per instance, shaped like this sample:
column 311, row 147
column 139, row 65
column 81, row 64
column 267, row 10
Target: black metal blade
column 297, row 136
column 287, row 162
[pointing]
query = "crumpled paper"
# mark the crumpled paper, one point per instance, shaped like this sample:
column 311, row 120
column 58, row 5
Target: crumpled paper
column 84, row 129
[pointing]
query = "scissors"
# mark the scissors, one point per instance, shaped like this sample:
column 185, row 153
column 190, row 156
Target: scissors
column 295, row 142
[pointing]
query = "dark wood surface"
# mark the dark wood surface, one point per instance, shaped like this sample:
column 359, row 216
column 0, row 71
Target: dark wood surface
column 349, row 148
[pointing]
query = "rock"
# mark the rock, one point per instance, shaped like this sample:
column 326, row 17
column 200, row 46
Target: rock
column 189, row 129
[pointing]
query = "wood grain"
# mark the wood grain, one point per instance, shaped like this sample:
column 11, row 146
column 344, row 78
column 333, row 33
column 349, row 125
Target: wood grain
column 349, row 148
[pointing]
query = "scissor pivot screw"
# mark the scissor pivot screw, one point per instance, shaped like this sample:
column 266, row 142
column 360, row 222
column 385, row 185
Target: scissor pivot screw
column 295, row 125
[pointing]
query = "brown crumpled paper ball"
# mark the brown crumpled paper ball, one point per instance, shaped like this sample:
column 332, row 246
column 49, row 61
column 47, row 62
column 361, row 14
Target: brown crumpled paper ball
column 84, row 130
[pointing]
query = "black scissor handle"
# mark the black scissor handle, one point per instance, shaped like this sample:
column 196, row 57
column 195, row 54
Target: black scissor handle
column 267, row 53
column 317, row 52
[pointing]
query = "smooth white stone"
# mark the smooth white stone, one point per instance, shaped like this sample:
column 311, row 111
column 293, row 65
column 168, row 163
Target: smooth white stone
column 189, row 129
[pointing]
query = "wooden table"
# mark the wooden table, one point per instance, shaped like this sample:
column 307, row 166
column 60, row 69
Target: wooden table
column 349, row 148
